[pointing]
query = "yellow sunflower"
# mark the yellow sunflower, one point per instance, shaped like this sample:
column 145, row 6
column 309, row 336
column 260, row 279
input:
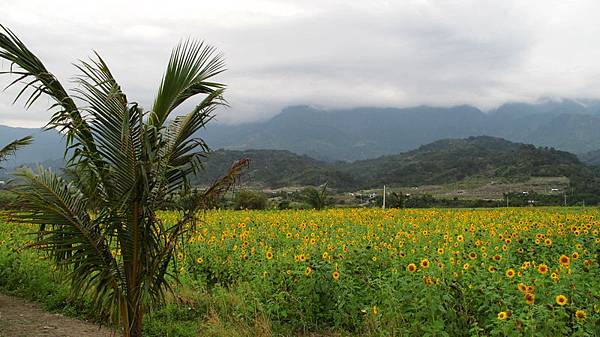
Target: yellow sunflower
column 561, row 300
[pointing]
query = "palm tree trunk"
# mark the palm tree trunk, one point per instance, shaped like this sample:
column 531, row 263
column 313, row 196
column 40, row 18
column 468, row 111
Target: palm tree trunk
column 136, row 323
column 132, row 321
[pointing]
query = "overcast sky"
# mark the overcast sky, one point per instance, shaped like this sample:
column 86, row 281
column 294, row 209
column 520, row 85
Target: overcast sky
column 330, row 54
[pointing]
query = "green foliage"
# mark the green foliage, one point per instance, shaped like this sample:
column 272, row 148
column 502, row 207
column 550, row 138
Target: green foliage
column 247, row 199
column 8, row 200
column 316, row 198
column 227, row 294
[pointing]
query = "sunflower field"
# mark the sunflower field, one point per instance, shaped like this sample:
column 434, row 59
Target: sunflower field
column 431, row 272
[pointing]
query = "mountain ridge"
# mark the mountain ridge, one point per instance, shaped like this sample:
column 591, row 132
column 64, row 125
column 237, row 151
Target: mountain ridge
column 364, row 132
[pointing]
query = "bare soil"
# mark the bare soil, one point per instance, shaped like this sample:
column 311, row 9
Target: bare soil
column 19, row 318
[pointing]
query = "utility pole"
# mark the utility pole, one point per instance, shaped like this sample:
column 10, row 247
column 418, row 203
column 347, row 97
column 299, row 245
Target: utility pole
column 565, row 195
column 383, row 196
column 507, row 200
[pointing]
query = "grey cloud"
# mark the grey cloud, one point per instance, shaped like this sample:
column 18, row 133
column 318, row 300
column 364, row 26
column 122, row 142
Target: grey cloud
column 325, row 53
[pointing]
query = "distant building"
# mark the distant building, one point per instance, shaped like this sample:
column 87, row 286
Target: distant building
column 2, row 182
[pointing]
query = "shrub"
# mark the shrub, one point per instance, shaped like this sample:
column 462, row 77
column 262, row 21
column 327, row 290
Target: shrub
column 246, row 199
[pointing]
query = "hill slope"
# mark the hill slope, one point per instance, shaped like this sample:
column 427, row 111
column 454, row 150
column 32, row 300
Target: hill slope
column 441, row 162
column 274, row 169
column 452, row 160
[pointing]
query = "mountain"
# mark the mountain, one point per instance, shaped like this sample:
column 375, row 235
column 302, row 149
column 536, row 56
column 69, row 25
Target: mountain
column 366, row 133
column 47, row 145
column 590, row 158
column 440, row 162
column 363, row 133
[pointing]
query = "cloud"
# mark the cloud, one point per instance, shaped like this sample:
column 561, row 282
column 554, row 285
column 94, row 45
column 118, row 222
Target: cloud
column 326, row 53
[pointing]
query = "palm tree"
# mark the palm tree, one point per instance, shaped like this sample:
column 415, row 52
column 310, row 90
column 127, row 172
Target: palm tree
column 12, row 147
column 128, row 161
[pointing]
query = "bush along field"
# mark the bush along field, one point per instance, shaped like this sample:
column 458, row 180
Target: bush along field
column 367, row 272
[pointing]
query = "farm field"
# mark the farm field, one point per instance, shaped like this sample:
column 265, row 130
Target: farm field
column 367, row 272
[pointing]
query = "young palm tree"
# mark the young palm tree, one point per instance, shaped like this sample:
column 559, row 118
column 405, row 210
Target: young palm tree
column 12, row 147
column 103, row 225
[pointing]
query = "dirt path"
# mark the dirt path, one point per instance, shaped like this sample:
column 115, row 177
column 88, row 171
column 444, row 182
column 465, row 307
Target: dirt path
column 19, row 318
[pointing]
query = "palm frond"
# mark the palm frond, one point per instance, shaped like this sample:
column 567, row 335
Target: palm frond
column 115, row 125
column 191, row 204
column 34, row 76
column 191, row 65
column 12, row 147
column 183, row 150
column 68, row 233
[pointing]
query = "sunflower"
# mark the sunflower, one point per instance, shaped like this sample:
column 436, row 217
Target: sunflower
column 492, row 269
column 472, row 255
column 325, row 256
column 199, row 260
column 375, row 310
column 411, row 268
column 502, row 315
column 425, row 263
column 440, row 251
column 269, row 255
column 510, row 273
column 335, row 275
column 497, row 258
column 561, row 300
column 465, row 266
column 554, row 276
column 428, row 280
column 529, row 298
column 564, row 260
column 548, row 242
column 581, row 314
column 522, row 287
column 308, row 271
column 542, row 269
column 575, row 255
column 460, row 238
